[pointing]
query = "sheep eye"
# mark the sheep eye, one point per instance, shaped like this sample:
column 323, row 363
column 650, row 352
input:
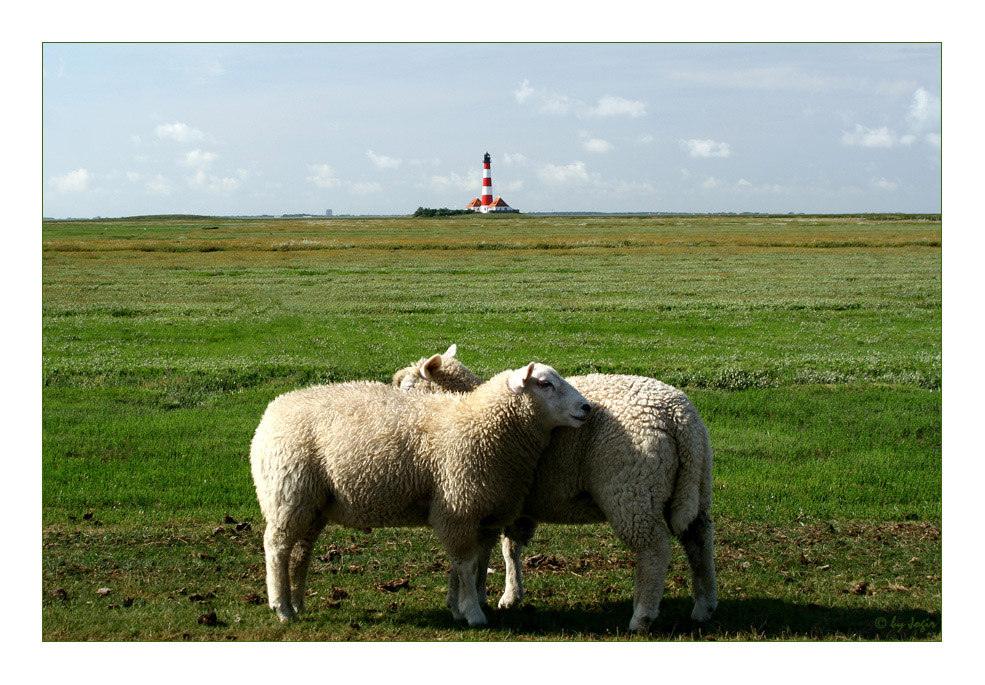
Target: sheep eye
column 544, row 383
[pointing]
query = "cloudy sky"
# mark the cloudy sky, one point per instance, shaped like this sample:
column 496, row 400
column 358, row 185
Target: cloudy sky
column 376, row 128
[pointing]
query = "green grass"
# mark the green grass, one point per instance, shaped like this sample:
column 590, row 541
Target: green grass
column 811, row 346
column 827, row 581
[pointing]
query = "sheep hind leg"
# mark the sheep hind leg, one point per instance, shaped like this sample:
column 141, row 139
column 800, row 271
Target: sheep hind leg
column 301, row 562
column 516, row 536
column 277, row 545
column 651, row 573
column 698, row 541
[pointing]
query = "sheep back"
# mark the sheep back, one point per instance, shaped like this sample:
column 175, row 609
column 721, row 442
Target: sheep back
column 370, row 455
column 628, row 450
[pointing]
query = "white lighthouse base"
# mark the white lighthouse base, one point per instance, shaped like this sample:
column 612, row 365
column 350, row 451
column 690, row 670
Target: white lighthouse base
column 498, row 210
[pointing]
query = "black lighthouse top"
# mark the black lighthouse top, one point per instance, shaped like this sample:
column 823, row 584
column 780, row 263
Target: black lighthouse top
column 486, row 158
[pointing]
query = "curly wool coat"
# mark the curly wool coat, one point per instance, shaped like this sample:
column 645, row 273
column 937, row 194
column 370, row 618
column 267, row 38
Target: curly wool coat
column 367, row 455
column 642, row 462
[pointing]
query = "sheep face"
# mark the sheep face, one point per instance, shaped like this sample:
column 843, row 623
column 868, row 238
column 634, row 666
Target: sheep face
column 563, row 405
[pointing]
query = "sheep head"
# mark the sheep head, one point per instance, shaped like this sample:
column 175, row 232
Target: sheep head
column 439, row 373
column 564, row 405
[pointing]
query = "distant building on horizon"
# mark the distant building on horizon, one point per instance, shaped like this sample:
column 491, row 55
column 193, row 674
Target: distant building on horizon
column 328, row 212
column 486, row 203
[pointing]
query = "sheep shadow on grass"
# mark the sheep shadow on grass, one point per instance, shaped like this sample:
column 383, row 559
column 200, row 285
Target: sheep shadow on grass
column 742, row 619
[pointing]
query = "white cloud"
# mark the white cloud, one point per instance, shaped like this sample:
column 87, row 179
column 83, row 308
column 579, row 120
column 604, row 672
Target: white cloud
column 703, row 148
column 925, row 110
column 556, row 103
column 933, row 139
column 197, row 158
column 883, row 184
column 382, row 161
column 573, row 172
column 523, row 93
column 224, row 185
column 183, row 133
column 133, row 176
column 199, row 179
column 610, row 106
column 159, row 185
column 597, row 145
column 868, row 137
column 646, row 138
column 515, row 158
column 323, row 176
column 72, row 182
column 365, row 188
column 745, row 186
column 560, row 104
column 862, row 136
column 455, row 182
column 217, row 184
column 710, row 183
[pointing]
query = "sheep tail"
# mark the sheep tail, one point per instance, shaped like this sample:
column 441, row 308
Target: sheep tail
column 692, row 487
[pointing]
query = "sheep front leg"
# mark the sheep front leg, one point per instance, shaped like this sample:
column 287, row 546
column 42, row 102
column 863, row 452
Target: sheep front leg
column 516, row 536
column 480, row 575
column 466, row 568
column 451, row 599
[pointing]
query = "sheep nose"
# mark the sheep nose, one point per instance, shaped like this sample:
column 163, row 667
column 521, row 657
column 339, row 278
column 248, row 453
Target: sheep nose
column 586, row 408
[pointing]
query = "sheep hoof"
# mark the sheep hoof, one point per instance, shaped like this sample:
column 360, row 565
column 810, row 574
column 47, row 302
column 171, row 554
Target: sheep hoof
column 478, row 620
column 509, row 601
column 702, row 612
column 286, row 615
column 640, row 624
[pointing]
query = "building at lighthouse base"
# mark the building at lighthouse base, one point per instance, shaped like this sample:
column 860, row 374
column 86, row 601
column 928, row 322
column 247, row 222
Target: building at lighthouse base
column 497, row 205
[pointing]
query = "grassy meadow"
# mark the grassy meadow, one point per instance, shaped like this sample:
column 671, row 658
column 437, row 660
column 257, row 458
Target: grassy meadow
column 811, row 346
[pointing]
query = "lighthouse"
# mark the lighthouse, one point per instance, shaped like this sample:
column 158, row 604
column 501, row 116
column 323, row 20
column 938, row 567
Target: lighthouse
column 486, row 203
column 486, row 182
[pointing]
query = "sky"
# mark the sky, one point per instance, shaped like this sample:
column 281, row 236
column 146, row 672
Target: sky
column 243, row 129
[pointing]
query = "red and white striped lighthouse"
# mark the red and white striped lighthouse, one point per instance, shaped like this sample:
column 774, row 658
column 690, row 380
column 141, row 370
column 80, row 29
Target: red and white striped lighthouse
column 486, row 182
column 487, row 204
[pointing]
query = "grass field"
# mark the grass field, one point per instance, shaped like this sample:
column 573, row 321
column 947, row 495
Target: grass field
column 811, row 346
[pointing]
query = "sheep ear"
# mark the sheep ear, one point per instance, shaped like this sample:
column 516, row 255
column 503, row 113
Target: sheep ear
column 451, row 351
column 518, row 379
column 430, row 366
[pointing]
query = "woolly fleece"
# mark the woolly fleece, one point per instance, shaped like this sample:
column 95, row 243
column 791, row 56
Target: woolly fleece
column 366, row 455
column 643, row 461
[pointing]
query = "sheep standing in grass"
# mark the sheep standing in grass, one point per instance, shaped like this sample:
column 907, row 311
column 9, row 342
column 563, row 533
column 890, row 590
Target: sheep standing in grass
column 642, row 462
column 368, row 455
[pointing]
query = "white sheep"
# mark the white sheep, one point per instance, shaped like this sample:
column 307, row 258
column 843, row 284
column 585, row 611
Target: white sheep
column 642, row 462
column 369, row 455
